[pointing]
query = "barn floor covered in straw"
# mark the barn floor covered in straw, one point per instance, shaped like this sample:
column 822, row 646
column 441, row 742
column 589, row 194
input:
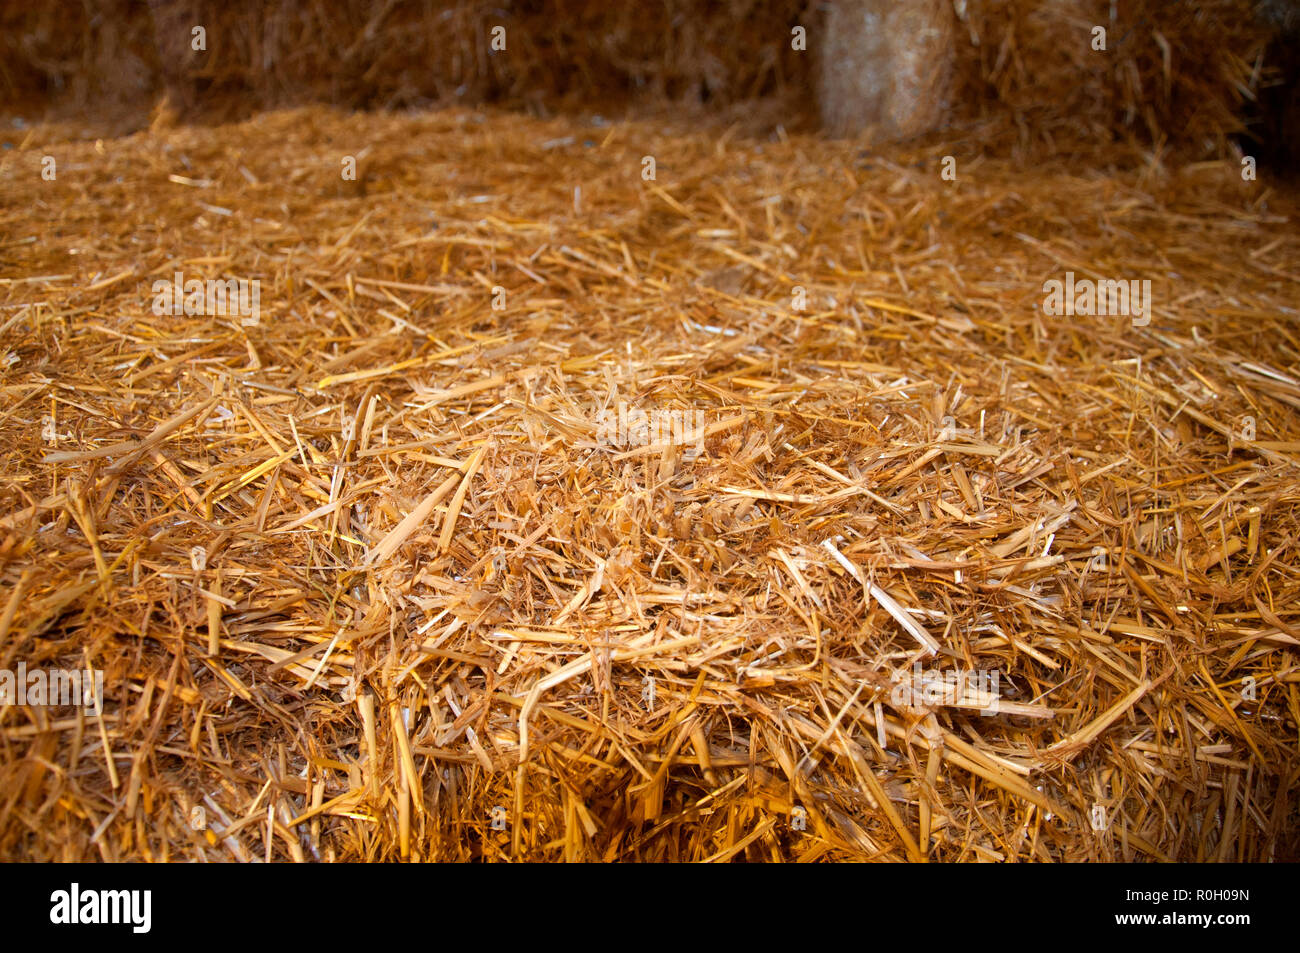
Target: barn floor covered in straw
column 440, row 617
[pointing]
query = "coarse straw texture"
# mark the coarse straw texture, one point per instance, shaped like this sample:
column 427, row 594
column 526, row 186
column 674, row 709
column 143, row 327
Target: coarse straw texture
column 446, row 605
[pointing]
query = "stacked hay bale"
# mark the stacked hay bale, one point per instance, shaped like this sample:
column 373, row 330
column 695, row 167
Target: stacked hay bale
column 85, row 55
column 540, row 54
column 1079, row 76
column 1055, row 75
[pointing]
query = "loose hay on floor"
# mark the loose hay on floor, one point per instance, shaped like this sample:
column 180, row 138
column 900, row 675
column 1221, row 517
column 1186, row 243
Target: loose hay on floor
column 433, row 599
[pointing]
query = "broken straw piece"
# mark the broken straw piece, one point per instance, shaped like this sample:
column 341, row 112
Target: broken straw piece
column 887, row 602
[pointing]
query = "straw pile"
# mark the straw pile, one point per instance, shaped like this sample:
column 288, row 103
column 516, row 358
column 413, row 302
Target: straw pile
column 436, row 616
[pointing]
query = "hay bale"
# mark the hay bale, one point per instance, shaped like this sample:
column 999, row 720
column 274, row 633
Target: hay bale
column 89, row 56
column 885, row 66
column 1180, row 73
column 1192, row 75
column 559, row 54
